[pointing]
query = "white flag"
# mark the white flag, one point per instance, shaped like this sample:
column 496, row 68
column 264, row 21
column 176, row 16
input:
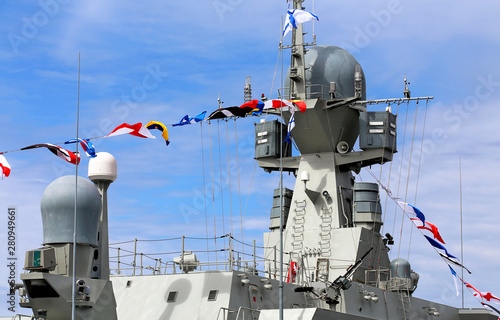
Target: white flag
column 295, row 17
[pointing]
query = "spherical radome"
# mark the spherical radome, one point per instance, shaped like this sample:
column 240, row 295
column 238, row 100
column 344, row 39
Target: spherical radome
column 58, row 211
column 103, row 167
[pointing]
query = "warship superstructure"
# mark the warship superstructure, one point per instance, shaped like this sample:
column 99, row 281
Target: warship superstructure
column 334, row 261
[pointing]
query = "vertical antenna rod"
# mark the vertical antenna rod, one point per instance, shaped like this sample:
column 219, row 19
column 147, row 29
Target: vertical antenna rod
column 461, row 230
column 73, row 285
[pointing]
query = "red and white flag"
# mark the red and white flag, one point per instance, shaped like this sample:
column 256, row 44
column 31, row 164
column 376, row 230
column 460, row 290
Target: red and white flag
column 137, row 130
column 4, row 166
column 58, row 151
column 483, row 295
column 430, row 227
column 285, row 103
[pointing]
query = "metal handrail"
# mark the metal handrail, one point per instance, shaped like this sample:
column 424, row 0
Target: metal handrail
column 129, row 260
column 240, row 313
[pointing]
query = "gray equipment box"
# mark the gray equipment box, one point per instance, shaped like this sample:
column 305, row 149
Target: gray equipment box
column 367, row 208
column 377, row 130
column 275, row 211
column 269, row 139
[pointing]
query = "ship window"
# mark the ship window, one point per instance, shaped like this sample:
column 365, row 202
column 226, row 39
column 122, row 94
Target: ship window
column 129, row 283
column 172, row 295
column 40, row 288
column 212, row 295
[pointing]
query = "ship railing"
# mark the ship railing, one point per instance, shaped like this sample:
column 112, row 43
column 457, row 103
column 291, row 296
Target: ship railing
column 313, row 91
column 376, row 277
column 195, row 254
column 243, row 313
column 21, row 317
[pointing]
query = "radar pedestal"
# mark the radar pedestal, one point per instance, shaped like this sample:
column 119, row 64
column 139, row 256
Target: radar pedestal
column 50, row 281
column 102, row 171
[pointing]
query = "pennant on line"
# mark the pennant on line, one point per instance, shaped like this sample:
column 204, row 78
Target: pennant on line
column 408, row 208
column 137, row 130
column 4, row 165
column 159, row 126
column 187, row 120
column 430, row 227
column 87, row 146
column 58, row 151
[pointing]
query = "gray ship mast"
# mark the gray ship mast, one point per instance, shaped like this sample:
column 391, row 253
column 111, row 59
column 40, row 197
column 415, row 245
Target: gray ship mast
column 297, row 68
column 330, row 221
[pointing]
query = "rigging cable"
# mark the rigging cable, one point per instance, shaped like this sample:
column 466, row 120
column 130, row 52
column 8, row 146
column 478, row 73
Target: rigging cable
column 387, row 187
column 213, row 191
column 418, row 170
column 399, row 178
column 220, row 186
column 229, row 179
column 204, row 189
column 408, row 175
column 239, row 182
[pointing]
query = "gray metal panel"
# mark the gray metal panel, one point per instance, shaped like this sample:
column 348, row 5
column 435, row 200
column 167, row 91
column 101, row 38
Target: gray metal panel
column 269, row 138
column 286, row 193
column 377, row 130
column 320, row 129
column 362, row 206
column 286, row 202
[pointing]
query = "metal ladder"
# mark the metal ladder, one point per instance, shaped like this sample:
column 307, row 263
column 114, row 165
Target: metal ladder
column 325, row 231
column 298, row 225
column 406, row 304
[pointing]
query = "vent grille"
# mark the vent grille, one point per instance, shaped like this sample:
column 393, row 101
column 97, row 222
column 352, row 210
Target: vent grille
column 172, row 296
column 212, row 295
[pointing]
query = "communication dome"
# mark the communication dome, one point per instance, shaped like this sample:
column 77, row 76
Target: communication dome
column 103, row 167
column 325, row 64
column 400, row 268
column 58, row 209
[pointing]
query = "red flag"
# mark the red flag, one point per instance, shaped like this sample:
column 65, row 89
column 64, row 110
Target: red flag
column 282, row 103
column 300, row 104
column 252, row 104
column 137, row 130
column 430, row 227
column 4, row 166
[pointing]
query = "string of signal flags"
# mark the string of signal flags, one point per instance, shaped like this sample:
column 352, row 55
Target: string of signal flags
column 252, row 108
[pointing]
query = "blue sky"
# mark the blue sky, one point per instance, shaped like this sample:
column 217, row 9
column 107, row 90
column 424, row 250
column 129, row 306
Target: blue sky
column 161, row 60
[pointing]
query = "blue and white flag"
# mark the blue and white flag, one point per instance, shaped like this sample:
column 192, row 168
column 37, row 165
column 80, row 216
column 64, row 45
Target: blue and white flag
column 408, row 208
column 198, row 118
column 295, row 17
column 187, row 120
column 86, row 145
column 437, row 245
column 291, row 125
column 455, row 279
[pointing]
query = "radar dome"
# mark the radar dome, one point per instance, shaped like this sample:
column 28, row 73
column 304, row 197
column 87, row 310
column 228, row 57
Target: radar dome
column 325, row 64
column 400, row 268
column 103, row 167
column 58, row 210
